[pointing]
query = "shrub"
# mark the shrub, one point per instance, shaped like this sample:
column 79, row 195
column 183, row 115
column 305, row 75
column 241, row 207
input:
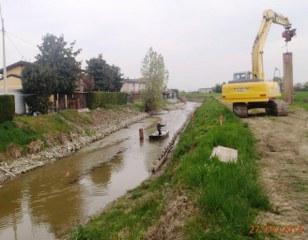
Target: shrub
column 103, row 99
column 37, row 103
column 7, row 108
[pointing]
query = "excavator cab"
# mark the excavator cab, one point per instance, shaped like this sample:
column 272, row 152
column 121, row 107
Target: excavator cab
column 242, row 77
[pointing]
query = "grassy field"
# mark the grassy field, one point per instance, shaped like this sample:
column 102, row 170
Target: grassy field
column 227, row 197
column 301, row 99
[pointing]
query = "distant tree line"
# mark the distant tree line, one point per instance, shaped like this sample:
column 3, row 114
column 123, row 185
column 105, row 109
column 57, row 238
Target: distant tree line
column 56, row 71
column 217, row 88
column 301, row 86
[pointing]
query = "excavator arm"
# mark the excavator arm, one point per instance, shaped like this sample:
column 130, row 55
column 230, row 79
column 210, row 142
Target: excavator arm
column 269, row 17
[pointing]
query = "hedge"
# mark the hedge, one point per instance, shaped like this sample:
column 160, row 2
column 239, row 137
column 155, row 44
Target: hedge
column 7, row 108
column 37, row 103
column 103, row 99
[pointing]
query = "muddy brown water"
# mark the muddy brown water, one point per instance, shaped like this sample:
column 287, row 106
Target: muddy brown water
column 47, row 202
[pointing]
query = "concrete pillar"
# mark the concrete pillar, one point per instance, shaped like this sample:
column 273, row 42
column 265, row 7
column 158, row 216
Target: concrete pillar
column 287, row 77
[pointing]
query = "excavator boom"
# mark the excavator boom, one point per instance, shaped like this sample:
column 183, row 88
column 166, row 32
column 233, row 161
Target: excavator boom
column 269, row 17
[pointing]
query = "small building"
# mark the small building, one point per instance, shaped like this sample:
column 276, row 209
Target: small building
column 171, row 94
column 133, row 86
column 14, row 85
column 205, row 90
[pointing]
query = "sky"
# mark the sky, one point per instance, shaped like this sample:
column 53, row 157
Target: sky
column 203, row 42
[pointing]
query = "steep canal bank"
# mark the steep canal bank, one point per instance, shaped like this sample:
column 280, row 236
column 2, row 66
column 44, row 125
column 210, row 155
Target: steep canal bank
column 47, row 202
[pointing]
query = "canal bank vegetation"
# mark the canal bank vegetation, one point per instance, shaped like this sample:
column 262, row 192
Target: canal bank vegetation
column 26, row 134
column 196, row 197
column 197, row 96
column 301, row 99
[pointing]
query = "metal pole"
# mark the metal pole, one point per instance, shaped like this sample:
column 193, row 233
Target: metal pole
column 4, row 57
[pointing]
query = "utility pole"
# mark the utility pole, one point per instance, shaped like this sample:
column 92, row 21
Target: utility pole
column 4, row 57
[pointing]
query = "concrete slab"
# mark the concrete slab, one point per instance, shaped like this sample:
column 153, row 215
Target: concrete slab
column 225, row 154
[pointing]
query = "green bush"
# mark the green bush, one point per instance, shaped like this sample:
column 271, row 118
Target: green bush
column 37, row 103
column 103, row 99
column 7, row 108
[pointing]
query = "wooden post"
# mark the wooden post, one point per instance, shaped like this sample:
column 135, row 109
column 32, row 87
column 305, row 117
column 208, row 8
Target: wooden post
column 221, row 120
column 141, row 135
column 288, row 77
column 65, row 100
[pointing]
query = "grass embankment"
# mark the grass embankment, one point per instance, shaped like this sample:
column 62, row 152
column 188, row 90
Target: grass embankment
column 25, row 129
column 197, row 96
column 301, row 99
column 227, row 197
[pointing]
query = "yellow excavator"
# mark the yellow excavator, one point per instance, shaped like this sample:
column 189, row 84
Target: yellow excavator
column 248, row 89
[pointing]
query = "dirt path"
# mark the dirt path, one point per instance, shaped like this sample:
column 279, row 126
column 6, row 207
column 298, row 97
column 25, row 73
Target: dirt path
column 283, row 146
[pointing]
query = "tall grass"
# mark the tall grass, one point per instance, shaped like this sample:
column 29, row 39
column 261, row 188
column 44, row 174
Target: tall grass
column 227, row 194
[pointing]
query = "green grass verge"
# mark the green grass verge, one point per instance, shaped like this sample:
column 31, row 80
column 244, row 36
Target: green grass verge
column 129, row 217
column 198, row 97
column 24, row 129
column 227, row 196
column 301, row 99
column 11, row 134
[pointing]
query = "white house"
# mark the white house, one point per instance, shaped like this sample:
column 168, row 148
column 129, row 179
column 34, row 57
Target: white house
column 14, row 85
column 133, row 86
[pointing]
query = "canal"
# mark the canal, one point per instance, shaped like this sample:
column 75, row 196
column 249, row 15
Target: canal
column 47, row 202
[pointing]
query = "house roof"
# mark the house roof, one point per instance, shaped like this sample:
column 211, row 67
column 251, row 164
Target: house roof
column 16, row 64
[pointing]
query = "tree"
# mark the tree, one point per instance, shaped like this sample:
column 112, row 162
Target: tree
column 155, row 76
column 55, row 70
column 217, row 88
column 60, row 57
column 298, row 87
column 36, row 83
column 106, row 77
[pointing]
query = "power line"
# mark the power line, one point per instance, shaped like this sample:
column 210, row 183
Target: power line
column 15, row 46
column 22, row 39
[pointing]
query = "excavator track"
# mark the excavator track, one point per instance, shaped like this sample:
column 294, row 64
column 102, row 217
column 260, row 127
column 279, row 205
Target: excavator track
column 277, row 108
column 273, row 107
column 241, row 110
column 281, row 108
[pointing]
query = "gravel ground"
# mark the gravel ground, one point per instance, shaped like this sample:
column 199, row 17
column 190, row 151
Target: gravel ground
column 283, row 146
